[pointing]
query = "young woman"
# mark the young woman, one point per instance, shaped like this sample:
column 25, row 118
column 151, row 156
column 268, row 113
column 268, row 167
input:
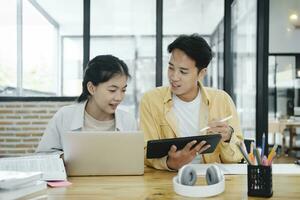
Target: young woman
column 103, row 88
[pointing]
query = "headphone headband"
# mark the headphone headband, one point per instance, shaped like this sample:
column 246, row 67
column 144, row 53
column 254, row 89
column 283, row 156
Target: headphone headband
column 198, row 191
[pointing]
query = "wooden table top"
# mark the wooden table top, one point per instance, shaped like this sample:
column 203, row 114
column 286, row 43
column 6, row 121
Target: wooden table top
column 156, row 184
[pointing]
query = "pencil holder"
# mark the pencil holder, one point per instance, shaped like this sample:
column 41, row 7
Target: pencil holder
column 259, row 181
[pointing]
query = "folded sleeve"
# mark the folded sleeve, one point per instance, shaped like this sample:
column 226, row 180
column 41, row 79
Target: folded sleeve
column 229, row 151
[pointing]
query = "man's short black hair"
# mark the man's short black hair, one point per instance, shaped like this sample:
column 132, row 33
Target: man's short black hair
column 195, row 47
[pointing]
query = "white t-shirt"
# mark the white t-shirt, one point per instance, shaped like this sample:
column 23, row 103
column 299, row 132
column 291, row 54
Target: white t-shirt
column 188, row 117
column 187, row 114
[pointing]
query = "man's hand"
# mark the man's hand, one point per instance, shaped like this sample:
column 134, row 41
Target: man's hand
column 220, row 127
column 176, row 159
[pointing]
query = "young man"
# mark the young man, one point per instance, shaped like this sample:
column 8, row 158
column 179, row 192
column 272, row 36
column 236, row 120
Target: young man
column 186, row 106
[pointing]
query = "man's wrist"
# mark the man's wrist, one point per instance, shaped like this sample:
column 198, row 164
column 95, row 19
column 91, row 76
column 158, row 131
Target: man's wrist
column 168, row 164
column 231, row 130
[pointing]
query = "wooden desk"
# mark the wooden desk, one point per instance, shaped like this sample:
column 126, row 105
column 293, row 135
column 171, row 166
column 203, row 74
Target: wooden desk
column 157, row 184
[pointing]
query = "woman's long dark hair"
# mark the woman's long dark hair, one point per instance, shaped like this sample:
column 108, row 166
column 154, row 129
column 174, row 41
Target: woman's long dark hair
column 101, row 69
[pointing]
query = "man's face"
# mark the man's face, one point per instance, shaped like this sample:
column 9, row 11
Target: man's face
column 183, row 75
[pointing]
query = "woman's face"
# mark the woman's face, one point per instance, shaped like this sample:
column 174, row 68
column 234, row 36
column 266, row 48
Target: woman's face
column 106, row 96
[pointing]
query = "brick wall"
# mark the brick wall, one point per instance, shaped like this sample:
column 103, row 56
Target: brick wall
column 22, row 125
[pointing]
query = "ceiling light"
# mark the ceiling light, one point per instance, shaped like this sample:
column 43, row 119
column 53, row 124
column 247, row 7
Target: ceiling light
column 293, row 17
column 298, row 73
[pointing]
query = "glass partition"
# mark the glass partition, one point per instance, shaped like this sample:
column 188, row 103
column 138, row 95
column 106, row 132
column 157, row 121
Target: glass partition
column 126, row 29
column 193, row 15
column 8, row 48
column 243, row 27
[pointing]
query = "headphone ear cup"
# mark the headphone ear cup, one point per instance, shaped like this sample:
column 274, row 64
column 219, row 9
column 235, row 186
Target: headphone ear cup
column 213, row 175
column 187, row 175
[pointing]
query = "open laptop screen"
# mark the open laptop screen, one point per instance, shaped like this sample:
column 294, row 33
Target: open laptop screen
column 104, row 153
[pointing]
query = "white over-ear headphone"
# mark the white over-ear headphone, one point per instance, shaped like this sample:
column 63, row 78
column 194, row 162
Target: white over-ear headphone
column 187, row 177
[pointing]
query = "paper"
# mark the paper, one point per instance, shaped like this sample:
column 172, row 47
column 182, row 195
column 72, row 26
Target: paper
column 242, row 168
column 13, row 179
column 51, row 165
column 23, row 191
column 59, row 183
column 285, row 169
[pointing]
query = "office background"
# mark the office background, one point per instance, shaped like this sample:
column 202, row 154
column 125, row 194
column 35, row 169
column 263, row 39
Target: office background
column 45, row 45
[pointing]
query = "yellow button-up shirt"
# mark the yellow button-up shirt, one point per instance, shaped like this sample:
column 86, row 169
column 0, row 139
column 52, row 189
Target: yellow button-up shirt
column 158, row 121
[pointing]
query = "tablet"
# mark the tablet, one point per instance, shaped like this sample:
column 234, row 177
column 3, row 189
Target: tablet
column 160, row 148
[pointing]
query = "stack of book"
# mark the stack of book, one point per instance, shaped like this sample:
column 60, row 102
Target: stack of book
column 51, row 165
column 14, row 184
column 23, row 176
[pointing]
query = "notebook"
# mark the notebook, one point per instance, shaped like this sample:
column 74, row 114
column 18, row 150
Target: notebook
column 14, row 179
column 51, row 165
column 104, row 153
column 36, row 187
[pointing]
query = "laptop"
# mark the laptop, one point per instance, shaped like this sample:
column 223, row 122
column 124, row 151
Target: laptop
column 89, row 153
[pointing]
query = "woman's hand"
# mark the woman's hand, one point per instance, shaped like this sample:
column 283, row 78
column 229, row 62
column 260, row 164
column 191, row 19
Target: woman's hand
column 176, row 159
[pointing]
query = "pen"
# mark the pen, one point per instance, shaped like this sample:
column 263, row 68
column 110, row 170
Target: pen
column 264, row 161
column 244, row 154
column 244, row 147
column 252, row 158
column 226, row 118
column 251, row 147
column 257, row 155
column 272, row 154
column 263, row 145
column 259, row 151
column 222, row 120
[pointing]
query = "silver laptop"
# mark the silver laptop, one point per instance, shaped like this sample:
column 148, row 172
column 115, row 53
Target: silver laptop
column 104, row 153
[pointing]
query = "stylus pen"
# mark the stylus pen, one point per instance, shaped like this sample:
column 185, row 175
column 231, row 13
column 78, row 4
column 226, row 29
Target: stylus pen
column 222, row 120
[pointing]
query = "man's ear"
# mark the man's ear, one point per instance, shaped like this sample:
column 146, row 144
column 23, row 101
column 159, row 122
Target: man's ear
column 202, row 74
column 91, row 88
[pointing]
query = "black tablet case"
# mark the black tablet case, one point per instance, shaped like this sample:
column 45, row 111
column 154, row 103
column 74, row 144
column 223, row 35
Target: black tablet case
column 160, row 148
